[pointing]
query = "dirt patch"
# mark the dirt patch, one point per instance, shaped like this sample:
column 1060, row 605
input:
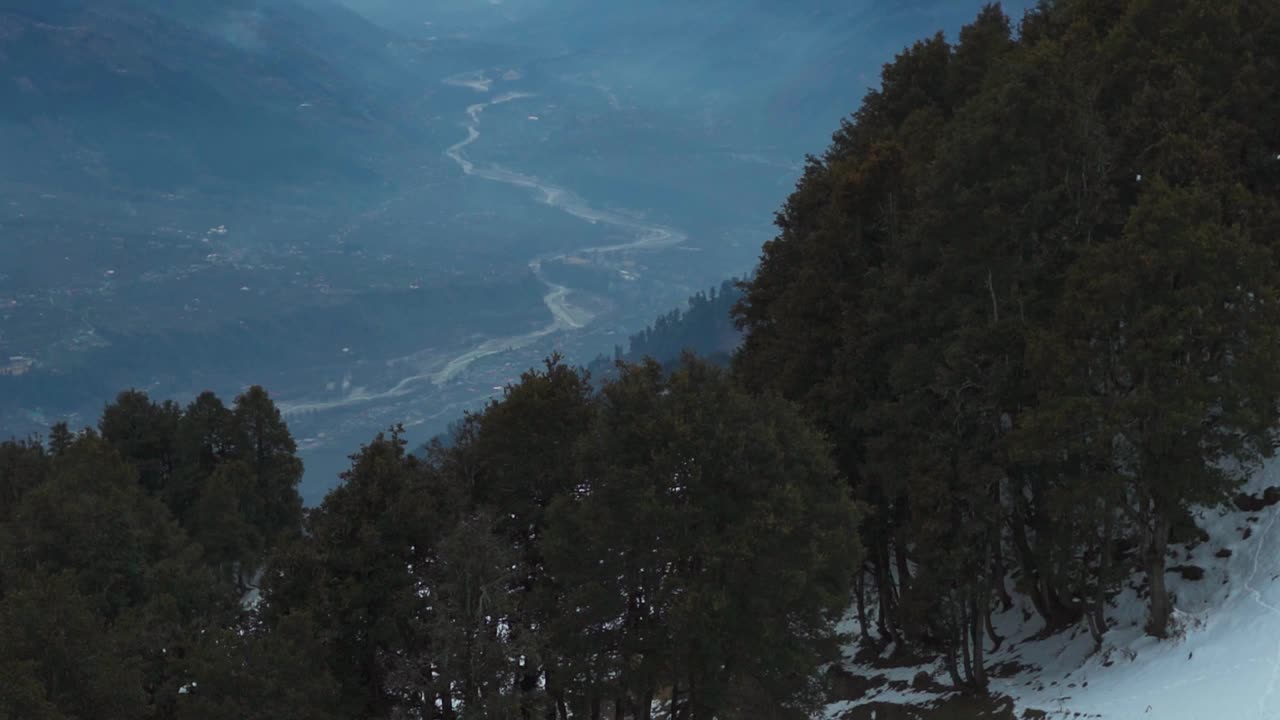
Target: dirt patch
column 1007, row 669
column 848, row 686
column 1189, row 572
column 1254, row 503
column 959, row 707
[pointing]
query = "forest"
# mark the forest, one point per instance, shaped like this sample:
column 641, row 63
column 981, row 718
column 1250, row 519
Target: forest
column 1018, row 320
column 705, row 328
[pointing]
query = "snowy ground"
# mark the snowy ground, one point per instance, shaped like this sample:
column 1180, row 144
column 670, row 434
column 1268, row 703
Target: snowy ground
column 1223, row 664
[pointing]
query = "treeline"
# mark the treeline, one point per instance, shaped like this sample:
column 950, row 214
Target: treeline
column 126, row 555
column 668, row 542
column 1031, row 293
column 705, row 328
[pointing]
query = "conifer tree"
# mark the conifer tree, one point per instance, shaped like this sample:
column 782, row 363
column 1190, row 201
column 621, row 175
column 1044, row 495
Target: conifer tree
column 692, row 494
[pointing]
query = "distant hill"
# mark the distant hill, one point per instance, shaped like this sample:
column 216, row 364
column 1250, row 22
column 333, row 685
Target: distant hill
column 755, row 67
column 704, row 328
column 144, row 93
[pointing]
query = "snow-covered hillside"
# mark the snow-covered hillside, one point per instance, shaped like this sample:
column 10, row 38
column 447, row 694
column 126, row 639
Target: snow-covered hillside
column 1223, row 662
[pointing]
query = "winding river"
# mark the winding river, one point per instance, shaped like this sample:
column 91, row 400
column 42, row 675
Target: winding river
column 564, row 316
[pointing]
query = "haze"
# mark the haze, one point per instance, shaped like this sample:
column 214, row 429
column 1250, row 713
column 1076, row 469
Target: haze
column 384, row 210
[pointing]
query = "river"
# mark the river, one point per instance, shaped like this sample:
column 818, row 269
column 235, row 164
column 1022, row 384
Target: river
column 564, row 316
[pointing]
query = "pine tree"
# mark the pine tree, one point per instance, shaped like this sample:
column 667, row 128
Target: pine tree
column 259, row 675
column 262, row 441
column 143, row 433
column 358, row 571
column 476, row 666
column 693, row 493
column 1177, row 344
column 59, row 658
column 515, row 461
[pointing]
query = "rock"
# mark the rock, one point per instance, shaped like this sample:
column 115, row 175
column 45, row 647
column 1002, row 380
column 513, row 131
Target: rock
column 922, row 681
column 1271, row 495
column 1189, row 572
column 1251, row 503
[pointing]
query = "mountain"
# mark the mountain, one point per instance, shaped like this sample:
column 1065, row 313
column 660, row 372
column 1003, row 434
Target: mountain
column 705, row 328
column 143, row 94
column 787, row 71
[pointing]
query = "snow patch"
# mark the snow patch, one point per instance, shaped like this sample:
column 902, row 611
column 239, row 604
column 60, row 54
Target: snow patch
column 1221, row 661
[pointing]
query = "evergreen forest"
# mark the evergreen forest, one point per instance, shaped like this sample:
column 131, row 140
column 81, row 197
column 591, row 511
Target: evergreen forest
column 1018, row 320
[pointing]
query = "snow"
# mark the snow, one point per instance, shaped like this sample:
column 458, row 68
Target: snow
column 252, row 597
column 1222, row 661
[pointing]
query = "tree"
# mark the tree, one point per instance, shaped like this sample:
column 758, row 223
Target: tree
column 60, row 438
column 24, row 466
column 259, row 675
column 60, row 659
column 358, row 572
column 262, row 441
column 204, row 440
column 692, row 494
column 1177, row 354
column 477, row 668
column 143, row 433
column 515, row 459
column 93, row 520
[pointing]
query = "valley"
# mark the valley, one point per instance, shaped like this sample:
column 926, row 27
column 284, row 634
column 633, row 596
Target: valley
column 425, row 202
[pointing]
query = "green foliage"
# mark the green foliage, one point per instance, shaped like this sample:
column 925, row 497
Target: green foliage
column 259, row 675
column 105, row 595
column 1029, row 292
column 60, row 659
column 356, row 572
column 477, row 659
column 262, row 441
column 708, row 543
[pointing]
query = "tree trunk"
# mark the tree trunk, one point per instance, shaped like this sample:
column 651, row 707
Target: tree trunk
column 1097, row 624
column 962, row 632
column 909, row 631
column 996, row 640
column 981, row 610
column 998, row 570
column 1098, row 604
column 884, row 617
column 903, row 567
column 1044, row 597
column 446, row 705
column 884, row 588
column 557, row 709
column 528, row 688
column 644, row 705
column 692, row 702
column 1026, row 559
column 859, row 593
column 1158, row 623
column 952, row 670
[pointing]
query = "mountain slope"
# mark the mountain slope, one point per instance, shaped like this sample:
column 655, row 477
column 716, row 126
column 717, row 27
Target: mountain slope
column 122, row 92
column 1223, row 660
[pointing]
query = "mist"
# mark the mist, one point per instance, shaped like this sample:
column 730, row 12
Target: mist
column 385, row 210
